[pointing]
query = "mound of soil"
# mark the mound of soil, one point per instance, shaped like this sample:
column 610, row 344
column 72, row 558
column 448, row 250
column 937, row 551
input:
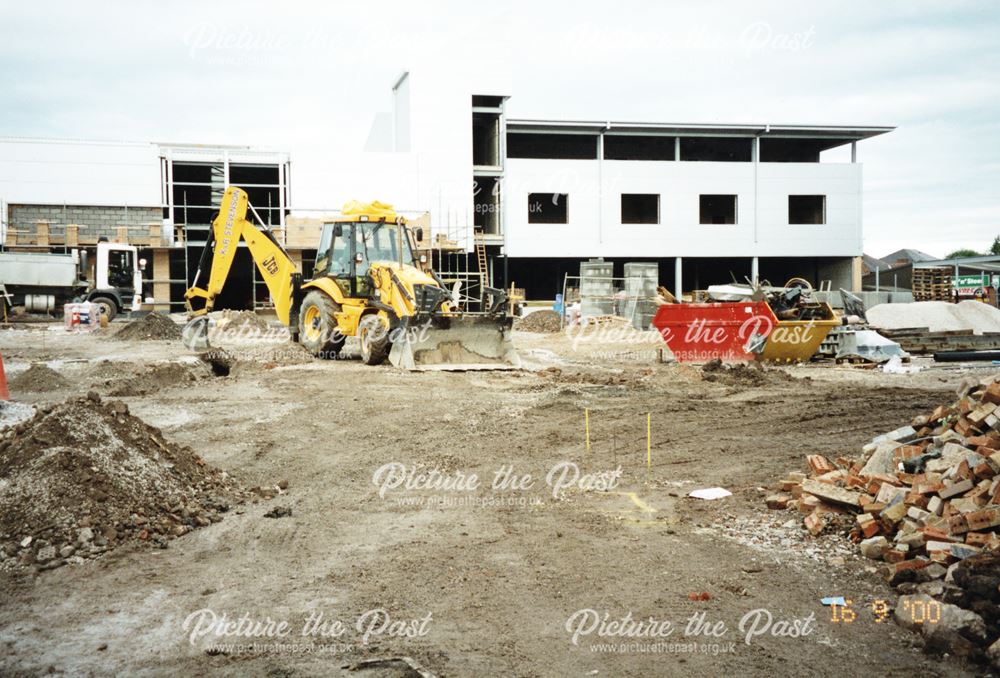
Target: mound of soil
column 154, row 326
column 741, row 374
column 539, row 321
column 85, row 476
column 39, row 378
column 156, row 378
column 240, row 321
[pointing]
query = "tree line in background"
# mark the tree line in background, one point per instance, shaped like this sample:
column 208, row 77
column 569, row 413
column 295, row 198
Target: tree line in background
column 993, row 250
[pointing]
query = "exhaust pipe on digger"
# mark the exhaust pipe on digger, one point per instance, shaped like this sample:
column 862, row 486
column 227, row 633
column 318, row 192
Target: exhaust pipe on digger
column 461, row 342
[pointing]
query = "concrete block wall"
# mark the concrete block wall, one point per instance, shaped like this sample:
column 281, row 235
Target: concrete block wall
column 95, row 221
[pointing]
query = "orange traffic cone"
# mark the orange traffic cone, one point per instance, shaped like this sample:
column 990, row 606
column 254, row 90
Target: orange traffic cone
column 4, row 393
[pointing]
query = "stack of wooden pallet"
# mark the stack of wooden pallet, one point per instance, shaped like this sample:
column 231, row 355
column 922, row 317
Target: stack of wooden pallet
column 922, row 340
column 932, row 284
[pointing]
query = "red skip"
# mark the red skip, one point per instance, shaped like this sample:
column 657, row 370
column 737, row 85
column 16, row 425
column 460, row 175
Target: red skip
column 697, row 333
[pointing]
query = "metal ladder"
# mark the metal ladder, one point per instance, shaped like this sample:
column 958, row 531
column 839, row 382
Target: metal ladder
column 480, row 241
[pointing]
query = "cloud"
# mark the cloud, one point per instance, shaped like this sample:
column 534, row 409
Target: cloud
column 312, row 74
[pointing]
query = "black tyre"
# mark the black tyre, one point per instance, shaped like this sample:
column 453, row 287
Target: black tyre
column 374, row 337
column 106, row 305
column 318, row 330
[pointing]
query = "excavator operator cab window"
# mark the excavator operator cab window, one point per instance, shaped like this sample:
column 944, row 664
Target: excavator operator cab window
column 381, row 242
column 333, row 256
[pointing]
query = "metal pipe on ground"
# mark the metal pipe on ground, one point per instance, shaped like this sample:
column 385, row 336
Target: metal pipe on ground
column 965, row 356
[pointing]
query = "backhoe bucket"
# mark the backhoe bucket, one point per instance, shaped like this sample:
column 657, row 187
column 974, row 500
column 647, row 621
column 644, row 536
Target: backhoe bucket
column 459, row 343
column 195, row 334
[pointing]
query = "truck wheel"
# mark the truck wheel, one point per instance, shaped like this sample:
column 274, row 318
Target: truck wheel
column 107, row 306
column 374, row 338
column 318, row 330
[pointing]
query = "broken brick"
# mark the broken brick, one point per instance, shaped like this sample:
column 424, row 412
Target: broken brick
column 982, row 519
column 815, row 523
column 778, row 501
column 955, row 489
column 819, row 464
column 992, row 393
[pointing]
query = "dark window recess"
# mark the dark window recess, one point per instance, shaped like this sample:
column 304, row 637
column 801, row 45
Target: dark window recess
column 485, row 139
column 486, row 101
column 487, row 216
column 261, row 197
column 795, row 150
column 197, row 216
column 552, row 146
column 266, row 175
column 196, row 173
column 548, row 208
column 640, row 208
column 807, row 209
column 638, row 148
column 193, row 204
column 716, row 149
column 717, row 209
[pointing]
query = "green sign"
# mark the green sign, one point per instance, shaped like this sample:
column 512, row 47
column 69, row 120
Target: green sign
column 967, row 285
column 972, row 281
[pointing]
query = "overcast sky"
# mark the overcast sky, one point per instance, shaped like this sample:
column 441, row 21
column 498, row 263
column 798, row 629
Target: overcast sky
column 293, row 75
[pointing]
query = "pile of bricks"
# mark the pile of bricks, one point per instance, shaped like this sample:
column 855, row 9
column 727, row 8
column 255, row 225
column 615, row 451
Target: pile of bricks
column 921, row 497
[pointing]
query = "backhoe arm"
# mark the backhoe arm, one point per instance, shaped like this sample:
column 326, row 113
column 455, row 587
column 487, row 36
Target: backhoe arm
column 279, row 272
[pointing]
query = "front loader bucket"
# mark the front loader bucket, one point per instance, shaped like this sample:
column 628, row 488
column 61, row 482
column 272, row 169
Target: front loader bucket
column 459, row 343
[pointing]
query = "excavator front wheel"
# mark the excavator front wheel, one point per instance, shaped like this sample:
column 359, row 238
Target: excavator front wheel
column 318, row 330
column 374, row 337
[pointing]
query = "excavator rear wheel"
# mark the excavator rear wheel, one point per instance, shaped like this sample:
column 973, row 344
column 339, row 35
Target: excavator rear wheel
column 318, row 329
column 374, row 337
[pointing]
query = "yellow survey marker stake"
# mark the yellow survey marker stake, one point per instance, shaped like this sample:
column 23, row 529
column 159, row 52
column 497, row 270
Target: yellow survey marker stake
column 649, row 445
column 586, row 425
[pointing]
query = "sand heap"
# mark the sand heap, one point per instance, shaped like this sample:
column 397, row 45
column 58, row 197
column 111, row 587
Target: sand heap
column 39, row 378
column 85, row 476
column 936, row 316
column 154, row 326
column 538, row 321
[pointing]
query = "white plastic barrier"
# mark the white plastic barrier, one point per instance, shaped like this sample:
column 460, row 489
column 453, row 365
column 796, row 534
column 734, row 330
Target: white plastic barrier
column 81, row 317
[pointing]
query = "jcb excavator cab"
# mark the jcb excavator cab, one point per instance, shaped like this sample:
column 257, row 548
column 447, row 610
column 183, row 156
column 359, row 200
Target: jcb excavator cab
column 347, row 250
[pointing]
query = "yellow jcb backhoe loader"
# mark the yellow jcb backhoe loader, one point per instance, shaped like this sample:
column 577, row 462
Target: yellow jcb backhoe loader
column 366, row 284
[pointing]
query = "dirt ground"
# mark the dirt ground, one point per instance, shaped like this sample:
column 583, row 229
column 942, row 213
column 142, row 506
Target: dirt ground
column 484, row 581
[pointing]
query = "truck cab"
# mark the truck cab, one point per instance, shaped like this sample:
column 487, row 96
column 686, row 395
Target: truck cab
column 42, row 282
column 117, row 278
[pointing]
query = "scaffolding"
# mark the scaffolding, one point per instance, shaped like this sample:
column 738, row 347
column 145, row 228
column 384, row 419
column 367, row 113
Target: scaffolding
column 449, row 256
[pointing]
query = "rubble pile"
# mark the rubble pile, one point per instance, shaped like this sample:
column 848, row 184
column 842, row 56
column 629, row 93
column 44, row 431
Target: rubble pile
column 925, row 500
column 922, row 496
column 85, row 476
column 539, row 321
column 741, row 374
column 151, row 327
column 959, row 615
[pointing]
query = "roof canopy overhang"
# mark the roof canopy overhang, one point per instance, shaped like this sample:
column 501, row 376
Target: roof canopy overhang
column 835, row 133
